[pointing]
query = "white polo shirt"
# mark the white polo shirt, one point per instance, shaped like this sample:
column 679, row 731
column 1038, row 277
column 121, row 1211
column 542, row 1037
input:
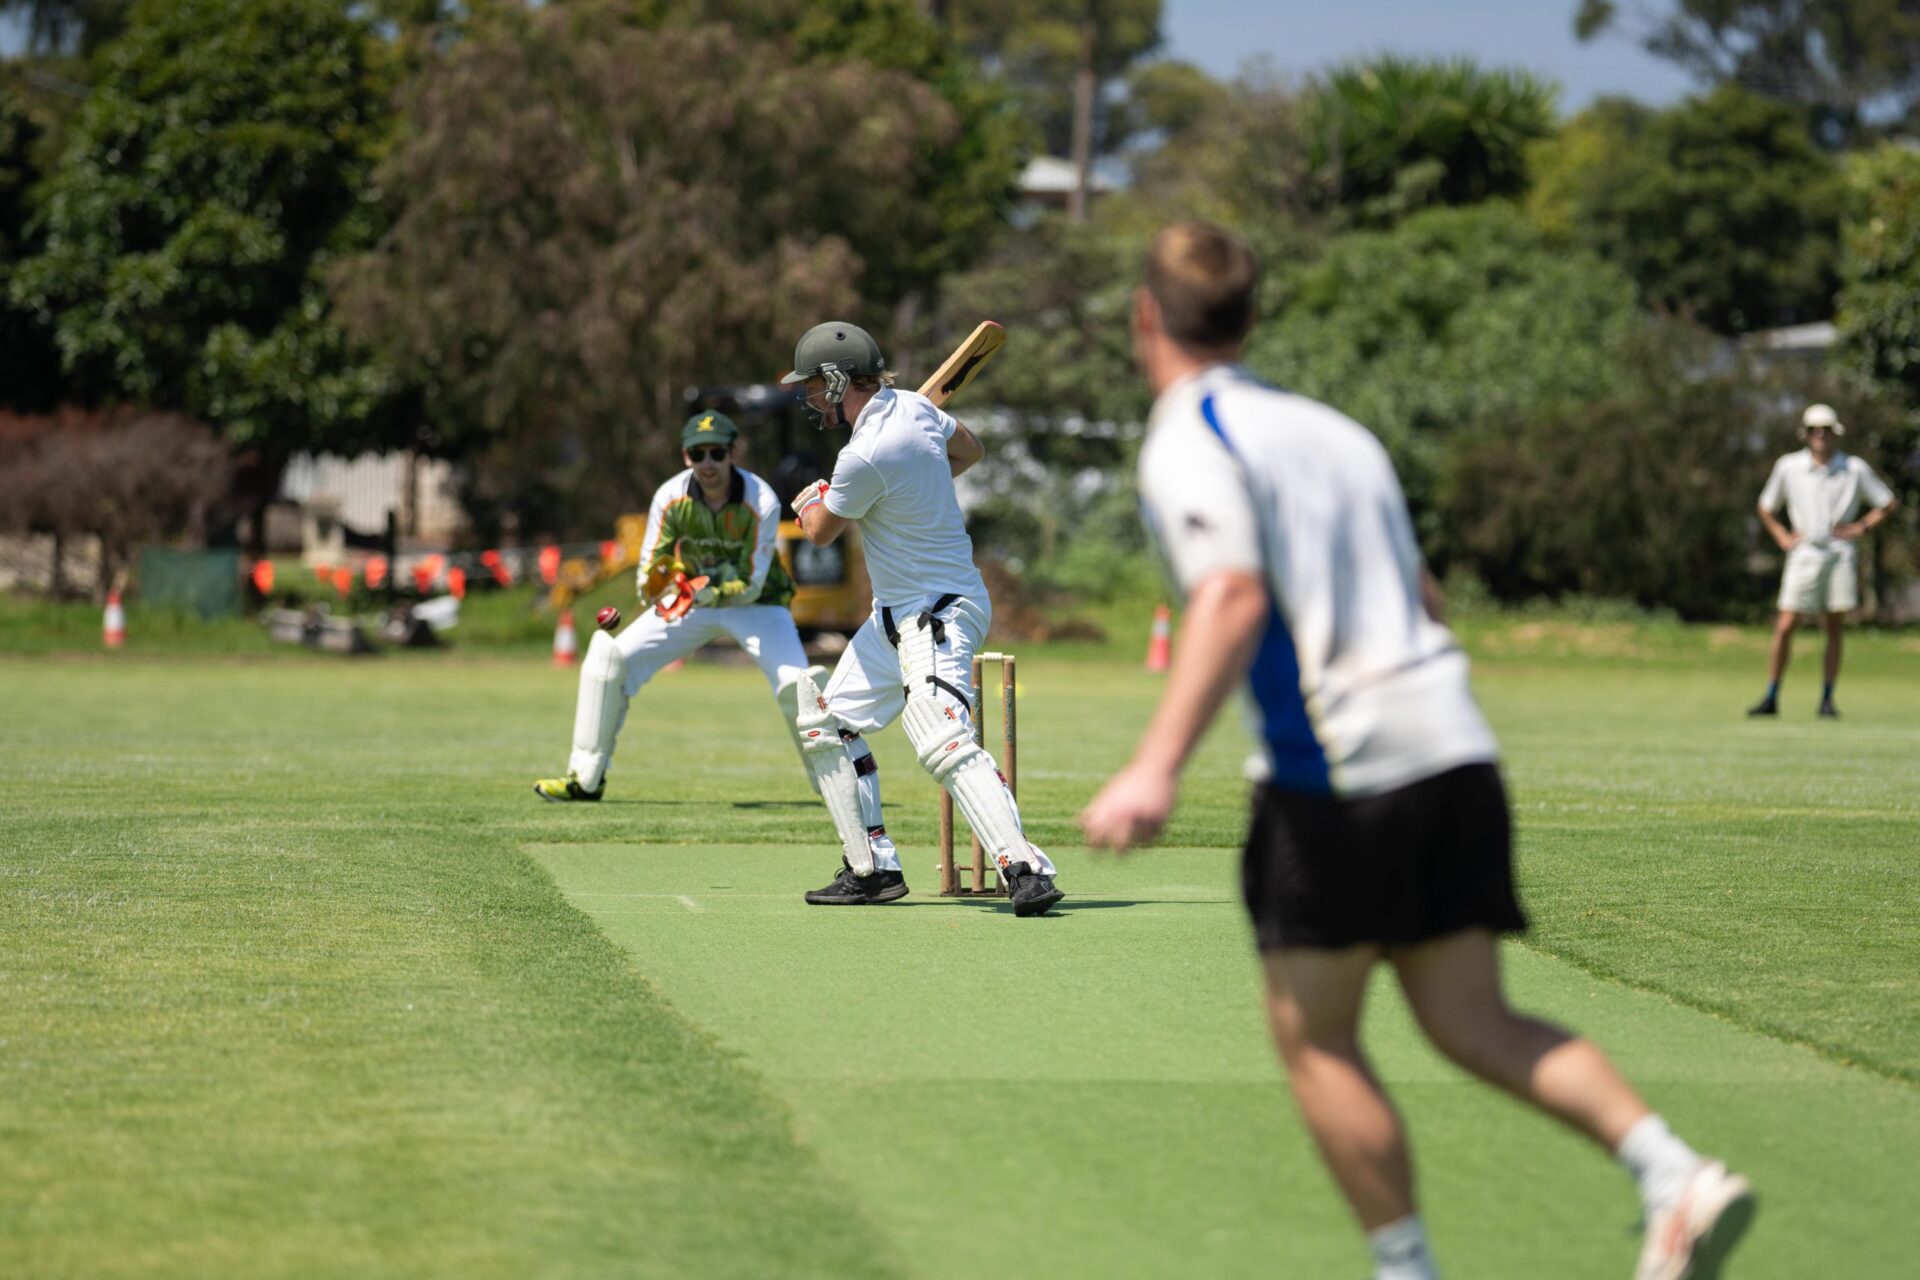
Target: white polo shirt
column 1355, row 690
column 1818, row 499
column 893, row 476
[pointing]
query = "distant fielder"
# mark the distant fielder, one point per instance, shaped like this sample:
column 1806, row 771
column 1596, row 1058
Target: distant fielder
column 1822, row 490
column 912, row 658
column 1380, row 833
column 713, row 522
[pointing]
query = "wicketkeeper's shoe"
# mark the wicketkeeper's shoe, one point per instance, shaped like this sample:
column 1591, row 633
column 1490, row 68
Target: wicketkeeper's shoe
column 1827, row 710
column 563, row 790
column 1691, row 1238
column 1764, row 707
column 850, row 890
column 1031, row 892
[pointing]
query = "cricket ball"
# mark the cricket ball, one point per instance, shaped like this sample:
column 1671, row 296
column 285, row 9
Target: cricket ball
column 608, row 618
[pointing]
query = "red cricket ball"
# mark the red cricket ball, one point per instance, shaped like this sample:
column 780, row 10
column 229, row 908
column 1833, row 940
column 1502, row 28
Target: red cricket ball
column 608, row 618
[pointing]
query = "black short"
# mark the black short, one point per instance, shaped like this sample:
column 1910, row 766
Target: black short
column 1431, row 858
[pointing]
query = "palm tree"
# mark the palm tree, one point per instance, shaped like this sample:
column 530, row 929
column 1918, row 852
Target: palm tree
column 1395, row 134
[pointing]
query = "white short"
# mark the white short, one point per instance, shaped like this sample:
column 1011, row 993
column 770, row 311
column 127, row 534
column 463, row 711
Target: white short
column 865, row 692
column 765, row 631
column 1820, row 578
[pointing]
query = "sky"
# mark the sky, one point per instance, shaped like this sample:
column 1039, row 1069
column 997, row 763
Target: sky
column 1299, row 36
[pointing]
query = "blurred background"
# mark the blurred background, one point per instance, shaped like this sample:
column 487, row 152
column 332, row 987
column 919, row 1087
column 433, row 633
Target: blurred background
column 377, row 303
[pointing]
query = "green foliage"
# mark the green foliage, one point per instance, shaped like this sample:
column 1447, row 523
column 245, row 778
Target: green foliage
column 966, row 178
column 1839, row 58
column 1645, row 494
column 1879, row 304
column 1722, row 208
column 1038, row 46
column 592, row 216
column 1455, row 317
column 1392, row 135
column 220, row 164
column 29, row 367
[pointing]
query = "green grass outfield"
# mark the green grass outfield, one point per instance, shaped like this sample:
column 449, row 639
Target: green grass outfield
column 298, row 979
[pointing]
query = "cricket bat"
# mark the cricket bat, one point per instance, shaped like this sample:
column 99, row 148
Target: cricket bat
column 966, row 361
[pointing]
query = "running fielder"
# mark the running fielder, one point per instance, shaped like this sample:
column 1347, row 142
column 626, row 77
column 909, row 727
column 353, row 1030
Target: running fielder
column 708, row 567
column 911, row 659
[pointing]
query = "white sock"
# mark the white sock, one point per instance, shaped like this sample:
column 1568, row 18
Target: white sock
column 1659, row 1162
column 1400, row 1251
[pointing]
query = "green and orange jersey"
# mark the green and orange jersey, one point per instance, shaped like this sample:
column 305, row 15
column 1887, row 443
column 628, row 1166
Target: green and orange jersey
column 743, row 535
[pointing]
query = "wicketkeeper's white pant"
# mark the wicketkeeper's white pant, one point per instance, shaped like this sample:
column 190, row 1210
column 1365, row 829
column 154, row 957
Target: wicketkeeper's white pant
column 617, row 667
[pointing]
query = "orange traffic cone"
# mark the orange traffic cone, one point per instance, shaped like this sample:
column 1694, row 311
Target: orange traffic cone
column 566, row 648
column 1160, row 643
column 113, row 630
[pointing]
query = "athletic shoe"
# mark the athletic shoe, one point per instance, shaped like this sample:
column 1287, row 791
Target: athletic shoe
column 1828, row 711
column 1032, row 893
column 1692, row 1237
column 567, row 789
column 850, row 890
column 1764, row 707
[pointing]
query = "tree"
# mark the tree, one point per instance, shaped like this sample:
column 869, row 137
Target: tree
column 1879, row 303
column 220, row 163
column 1455, row 317
column 1721, row 208
column 125, row 476
column 1635, row 494
column 1837, row 58
column 590, row 216
column 1393, row 135
column 29, row 367
column 967, row 179
column 1062, row 55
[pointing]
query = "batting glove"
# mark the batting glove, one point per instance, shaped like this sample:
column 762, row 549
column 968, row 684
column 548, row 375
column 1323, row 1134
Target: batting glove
column 811, row 496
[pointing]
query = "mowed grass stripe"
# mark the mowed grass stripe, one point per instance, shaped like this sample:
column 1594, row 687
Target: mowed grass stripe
column 1110, row 1069
column 277, row 999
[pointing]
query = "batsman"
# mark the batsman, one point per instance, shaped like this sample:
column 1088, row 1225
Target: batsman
column 709, row 566
column 912, row 657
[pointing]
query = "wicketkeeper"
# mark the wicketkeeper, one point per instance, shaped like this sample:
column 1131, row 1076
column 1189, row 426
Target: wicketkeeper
column 912, row 658
column 709, row 567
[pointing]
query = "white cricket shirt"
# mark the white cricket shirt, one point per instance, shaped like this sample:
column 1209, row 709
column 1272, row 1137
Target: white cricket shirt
column 1820, row 498
column 1354, row 690
column 894, row 478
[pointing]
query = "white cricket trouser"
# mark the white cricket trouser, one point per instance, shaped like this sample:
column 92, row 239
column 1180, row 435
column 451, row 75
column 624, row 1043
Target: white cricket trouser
column 648, row 643
column 866, row 694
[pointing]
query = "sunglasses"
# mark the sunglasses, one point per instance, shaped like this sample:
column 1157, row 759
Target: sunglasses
column 709, row 452
column 1819, row 431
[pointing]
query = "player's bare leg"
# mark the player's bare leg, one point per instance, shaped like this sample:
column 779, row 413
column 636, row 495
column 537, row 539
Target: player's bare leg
column 1453, row 986
column 1836, row 634
column 1314, row 998
column 1695, row 1209
column 1778, row 654
column 1313, row 1005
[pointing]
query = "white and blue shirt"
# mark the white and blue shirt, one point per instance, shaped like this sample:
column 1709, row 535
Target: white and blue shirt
column 1355, row 689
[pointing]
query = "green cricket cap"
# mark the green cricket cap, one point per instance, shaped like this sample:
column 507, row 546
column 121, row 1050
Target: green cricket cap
column 710, row 427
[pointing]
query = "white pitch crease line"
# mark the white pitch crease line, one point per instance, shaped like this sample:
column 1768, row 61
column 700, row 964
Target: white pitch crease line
column 689, row 903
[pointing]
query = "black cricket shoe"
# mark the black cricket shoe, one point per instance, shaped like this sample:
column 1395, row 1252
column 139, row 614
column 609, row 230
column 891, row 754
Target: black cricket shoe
column 1764, row 707
column 1031, row 892
column 850, row 890
column 1827, row 710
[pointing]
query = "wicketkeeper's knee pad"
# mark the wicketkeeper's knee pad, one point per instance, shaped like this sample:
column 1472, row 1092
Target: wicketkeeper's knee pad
column 941, row 736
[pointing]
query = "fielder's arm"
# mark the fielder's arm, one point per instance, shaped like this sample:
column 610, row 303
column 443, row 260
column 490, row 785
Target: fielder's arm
column 1225, row 617
column 1781, row 535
